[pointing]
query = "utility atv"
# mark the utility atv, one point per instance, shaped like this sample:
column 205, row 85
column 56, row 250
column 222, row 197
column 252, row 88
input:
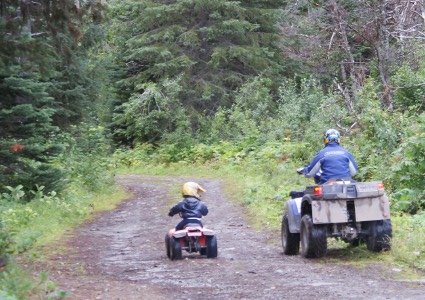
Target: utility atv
column 193, row 238
column 353, row 211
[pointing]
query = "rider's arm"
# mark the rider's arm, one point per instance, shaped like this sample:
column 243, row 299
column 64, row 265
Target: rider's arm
column 204, row 209
column 352, row 164
column 175, row 209
column 314, row 167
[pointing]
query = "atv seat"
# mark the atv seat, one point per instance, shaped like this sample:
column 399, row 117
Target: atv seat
column 192, row 225
column 296, row 194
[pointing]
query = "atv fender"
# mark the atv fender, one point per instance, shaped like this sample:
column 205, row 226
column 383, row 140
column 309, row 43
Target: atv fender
column 208, row 232
column 293, row 209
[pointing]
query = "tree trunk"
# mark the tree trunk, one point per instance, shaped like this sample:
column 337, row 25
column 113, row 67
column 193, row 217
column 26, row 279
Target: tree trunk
column 383, row 52
column 347, row 67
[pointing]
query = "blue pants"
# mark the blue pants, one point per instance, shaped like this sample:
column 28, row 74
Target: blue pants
column 183, row 222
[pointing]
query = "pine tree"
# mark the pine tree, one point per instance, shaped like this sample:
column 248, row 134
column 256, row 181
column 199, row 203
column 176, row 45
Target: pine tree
column 184, row 58
column 43, row 86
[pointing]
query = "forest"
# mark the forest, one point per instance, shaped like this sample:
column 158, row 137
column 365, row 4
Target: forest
column 242, row 90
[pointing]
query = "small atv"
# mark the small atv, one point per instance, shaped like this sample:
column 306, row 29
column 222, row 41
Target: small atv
column 353, row 211
column 193, row 238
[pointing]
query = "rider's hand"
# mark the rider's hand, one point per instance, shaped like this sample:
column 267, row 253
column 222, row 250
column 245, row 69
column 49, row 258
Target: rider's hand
column 300, row 171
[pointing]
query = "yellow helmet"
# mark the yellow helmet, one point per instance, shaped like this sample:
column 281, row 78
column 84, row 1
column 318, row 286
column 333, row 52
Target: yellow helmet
column 192, row 189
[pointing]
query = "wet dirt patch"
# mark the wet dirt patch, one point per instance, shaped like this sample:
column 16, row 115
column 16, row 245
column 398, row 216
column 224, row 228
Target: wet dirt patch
column 121, row 254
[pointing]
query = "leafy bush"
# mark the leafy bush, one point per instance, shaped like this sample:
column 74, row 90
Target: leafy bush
column 410, row 91
column 86, row 157
column 301, row 106
column 140, row 155
column 7, row 244
column 408, row 169
column 408, row 243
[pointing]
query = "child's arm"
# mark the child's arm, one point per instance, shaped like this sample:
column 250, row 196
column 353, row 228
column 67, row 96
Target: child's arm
column 204, row 209
column 175, row 209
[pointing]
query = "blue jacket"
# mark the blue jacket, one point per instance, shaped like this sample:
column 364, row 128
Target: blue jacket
column 190, row 207
column 334, row 162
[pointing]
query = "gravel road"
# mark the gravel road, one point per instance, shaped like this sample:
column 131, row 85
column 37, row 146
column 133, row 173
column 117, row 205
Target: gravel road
column 120, row 254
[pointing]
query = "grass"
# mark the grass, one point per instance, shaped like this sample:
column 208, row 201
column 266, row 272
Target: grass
column 47, row 221
column 408, row 244
column 53, row 223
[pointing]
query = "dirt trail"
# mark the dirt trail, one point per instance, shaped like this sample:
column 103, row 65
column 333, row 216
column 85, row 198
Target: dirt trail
column 121, row 255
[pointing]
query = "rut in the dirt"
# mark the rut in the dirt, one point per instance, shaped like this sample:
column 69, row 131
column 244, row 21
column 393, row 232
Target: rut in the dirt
column 121, row 255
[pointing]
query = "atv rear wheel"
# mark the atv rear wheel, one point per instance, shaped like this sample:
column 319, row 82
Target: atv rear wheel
column 175, row 249
column 290, row 241
column 313, row 238
column 380, row 234
column 211, row 246
column 167, row 245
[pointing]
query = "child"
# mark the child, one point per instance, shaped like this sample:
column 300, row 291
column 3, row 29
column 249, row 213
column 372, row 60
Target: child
column 191, row 209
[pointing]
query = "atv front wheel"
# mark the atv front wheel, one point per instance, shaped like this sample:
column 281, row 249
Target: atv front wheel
column 175, row 249
column 380, row 234
column 313, row 238
column 290, row 241
column 211, row 246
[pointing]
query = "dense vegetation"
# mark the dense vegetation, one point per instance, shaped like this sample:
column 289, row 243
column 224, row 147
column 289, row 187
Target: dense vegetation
column 244, row 88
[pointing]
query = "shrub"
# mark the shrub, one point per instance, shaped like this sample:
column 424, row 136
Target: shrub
column 408, row 170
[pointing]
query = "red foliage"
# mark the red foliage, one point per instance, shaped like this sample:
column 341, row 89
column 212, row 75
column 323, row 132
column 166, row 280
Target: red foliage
column 75, row 32
column 16, row 148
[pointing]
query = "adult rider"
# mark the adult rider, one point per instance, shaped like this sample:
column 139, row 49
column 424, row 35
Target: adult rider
column 332, row 162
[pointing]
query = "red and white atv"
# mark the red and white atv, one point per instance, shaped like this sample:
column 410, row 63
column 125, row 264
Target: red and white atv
column 193, row 238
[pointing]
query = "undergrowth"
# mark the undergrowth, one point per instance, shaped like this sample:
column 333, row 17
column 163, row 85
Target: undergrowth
column 32, row 225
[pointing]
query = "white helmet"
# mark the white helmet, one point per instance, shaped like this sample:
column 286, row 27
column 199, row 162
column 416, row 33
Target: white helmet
column 332, row 135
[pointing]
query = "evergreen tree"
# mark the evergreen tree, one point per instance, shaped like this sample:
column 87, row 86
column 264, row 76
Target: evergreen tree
column 42, row 86
column 204, row 49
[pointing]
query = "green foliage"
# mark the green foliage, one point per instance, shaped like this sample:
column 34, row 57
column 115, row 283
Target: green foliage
column 250, row 119
column 409, row 239
column 26, row 126
column 14, row 195
column 80, row 156
column 7, row 244
column 46, row 83
column 150, row 115
column 410, row 89
column 27, row 225
column 409, row 168
column 304, row 106
column 376, row 134
column 85, row 159
column 14, row 284
column 207, row 50
column 140, row 155
column 17, row 217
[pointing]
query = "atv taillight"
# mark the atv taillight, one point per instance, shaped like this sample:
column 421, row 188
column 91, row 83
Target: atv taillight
column 318, row 191
column 380, row 186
